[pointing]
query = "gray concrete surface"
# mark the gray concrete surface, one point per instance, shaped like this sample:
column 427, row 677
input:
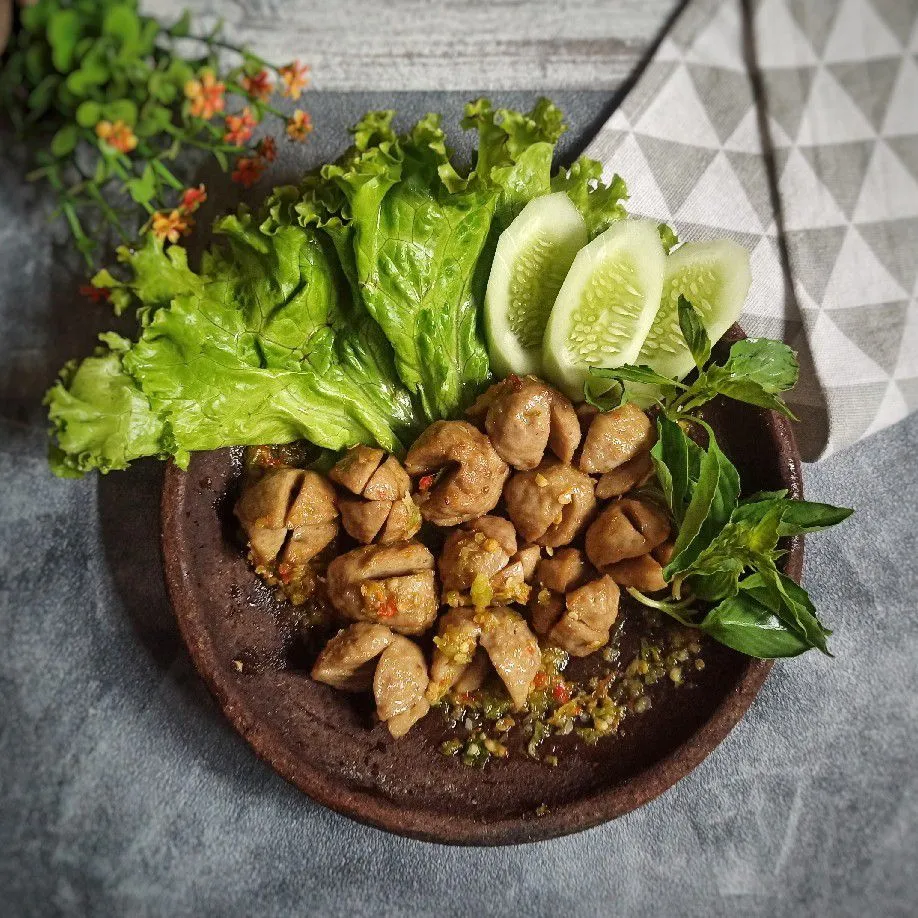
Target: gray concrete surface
column 124, row 793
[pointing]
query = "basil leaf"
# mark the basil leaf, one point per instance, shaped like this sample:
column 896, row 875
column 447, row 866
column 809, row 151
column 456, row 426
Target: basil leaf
column 631, row 373
column 771, row 364
column 790, row 603
column 607, row 400
column 677, row 460
column 712, row 502
column 796, row 516
column 746, row 625
column 699, row 344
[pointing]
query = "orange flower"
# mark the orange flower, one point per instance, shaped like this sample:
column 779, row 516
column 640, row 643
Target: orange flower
column 172, row 226
column 206, row 95
column 299, row 126
column 248, row 171
column 193, row 198
column 258, row 86
column 118, row 135
column 239, row 127
column 296, row 79
column 267, row 149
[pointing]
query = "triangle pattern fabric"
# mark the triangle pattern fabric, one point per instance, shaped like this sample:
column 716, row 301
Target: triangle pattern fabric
column 899, row 16
column 869, row 84
column 859, row 34
column 895, row 243
column 859, row 278
column 841, row 168
column 902, row 113
column 720, row 200
column 889, row 191
column 840, row 143
column 877, row 332
column 831, row 115
column 815, row 20
column 676, row 114
column 729, row 96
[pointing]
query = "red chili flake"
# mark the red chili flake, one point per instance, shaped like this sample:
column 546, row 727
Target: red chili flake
column 540, row 681
column 96, row 294
column 426, row 482
column 285, row 573
column 389, row 609
column 561, row 693
column 515, row 382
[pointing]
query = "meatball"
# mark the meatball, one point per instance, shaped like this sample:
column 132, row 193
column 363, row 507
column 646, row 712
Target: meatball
column 555, row 576
column 355, row 468
column 503, row 634
column 513, row 650
column 590, row 611
column 471, row 474
column 391, row 584
column 482, row 546
column 344, row 662
column 286, row 502
column 615, row 437
column 399, row 681
column 523, row 417
column 382, row 509
column 627, row 528
column 454, row 651
column 644, row 573
column 399, row 685
column 528, row 557
column 629, row 475
column 550, row 505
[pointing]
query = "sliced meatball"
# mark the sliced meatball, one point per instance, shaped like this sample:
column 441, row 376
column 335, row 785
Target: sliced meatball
column 564, row 570
column 355, row 468
column 475, row 673
column 629, row 475
column 509, row 585
column 482, row 546
column 513, row 650
column 627, row 528
column 545, row 608
column 285, row 501
column 393, row 584
column 403, row 522
column 550, row 505
column 523, row 416
column 346, row 660
column 471, row 474
column 363, row 519
column 590, row 611
column 389, row 482
column 644, row 573
column 399, row 685
column 528, row 556
column 615, row 437
column 663, row 553
column 454, row 650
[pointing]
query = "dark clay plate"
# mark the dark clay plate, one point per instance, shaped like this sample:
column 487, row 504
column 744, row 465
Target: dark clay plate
column 244, row 645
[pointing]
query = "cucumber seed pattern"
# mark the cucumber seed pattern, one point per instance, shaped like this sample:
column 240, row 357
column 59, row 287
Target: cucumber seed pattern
column 609, row 307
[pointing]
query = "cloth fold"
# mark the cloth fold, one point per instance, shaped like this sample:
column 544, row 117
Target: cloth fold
column 791, row 126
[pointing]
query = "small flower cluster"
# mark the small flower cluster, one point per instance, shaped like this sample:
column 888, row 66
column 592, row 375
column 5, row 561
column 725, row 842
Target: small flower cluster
column 123, row 102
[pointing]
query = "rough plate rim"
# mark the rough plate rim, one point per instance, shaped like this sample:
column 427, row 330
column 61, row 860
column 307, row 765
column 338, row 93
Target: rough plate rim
column 584, row 813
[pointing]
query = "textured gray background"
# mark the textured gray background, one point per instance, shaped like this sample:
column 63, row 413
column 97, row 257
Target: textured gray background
column 123, row 792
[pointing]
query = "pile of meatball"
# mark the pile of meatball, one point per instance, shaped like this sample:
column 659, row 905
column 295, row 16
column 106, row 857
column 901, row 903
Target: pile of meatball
column 530, row 507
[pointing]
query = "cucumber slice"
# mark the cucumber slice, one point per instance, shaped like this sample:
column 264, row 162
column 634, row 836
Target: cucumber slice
column 606, row 304
column 531, row 260
column 714, row 277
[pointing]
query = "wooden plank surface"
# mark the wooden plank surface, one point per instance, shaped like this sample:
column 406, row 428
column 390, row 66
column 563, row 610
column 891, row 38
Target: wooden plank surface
column 432, row 44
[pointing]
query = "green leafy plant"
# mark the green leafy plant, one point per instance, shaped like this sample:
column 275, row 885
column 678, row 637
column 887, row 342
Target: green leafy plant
column 724, row 572
column 117, row 104
column 345, row 312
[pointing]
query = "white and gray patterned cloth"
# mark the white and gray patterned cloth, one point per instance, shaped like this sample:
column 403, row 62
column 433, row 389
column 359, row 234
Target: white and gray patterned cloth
column 837, row 119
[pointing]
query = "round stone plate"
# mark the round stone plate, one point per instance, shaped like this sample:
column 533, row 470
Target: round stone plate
column 244, row 644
